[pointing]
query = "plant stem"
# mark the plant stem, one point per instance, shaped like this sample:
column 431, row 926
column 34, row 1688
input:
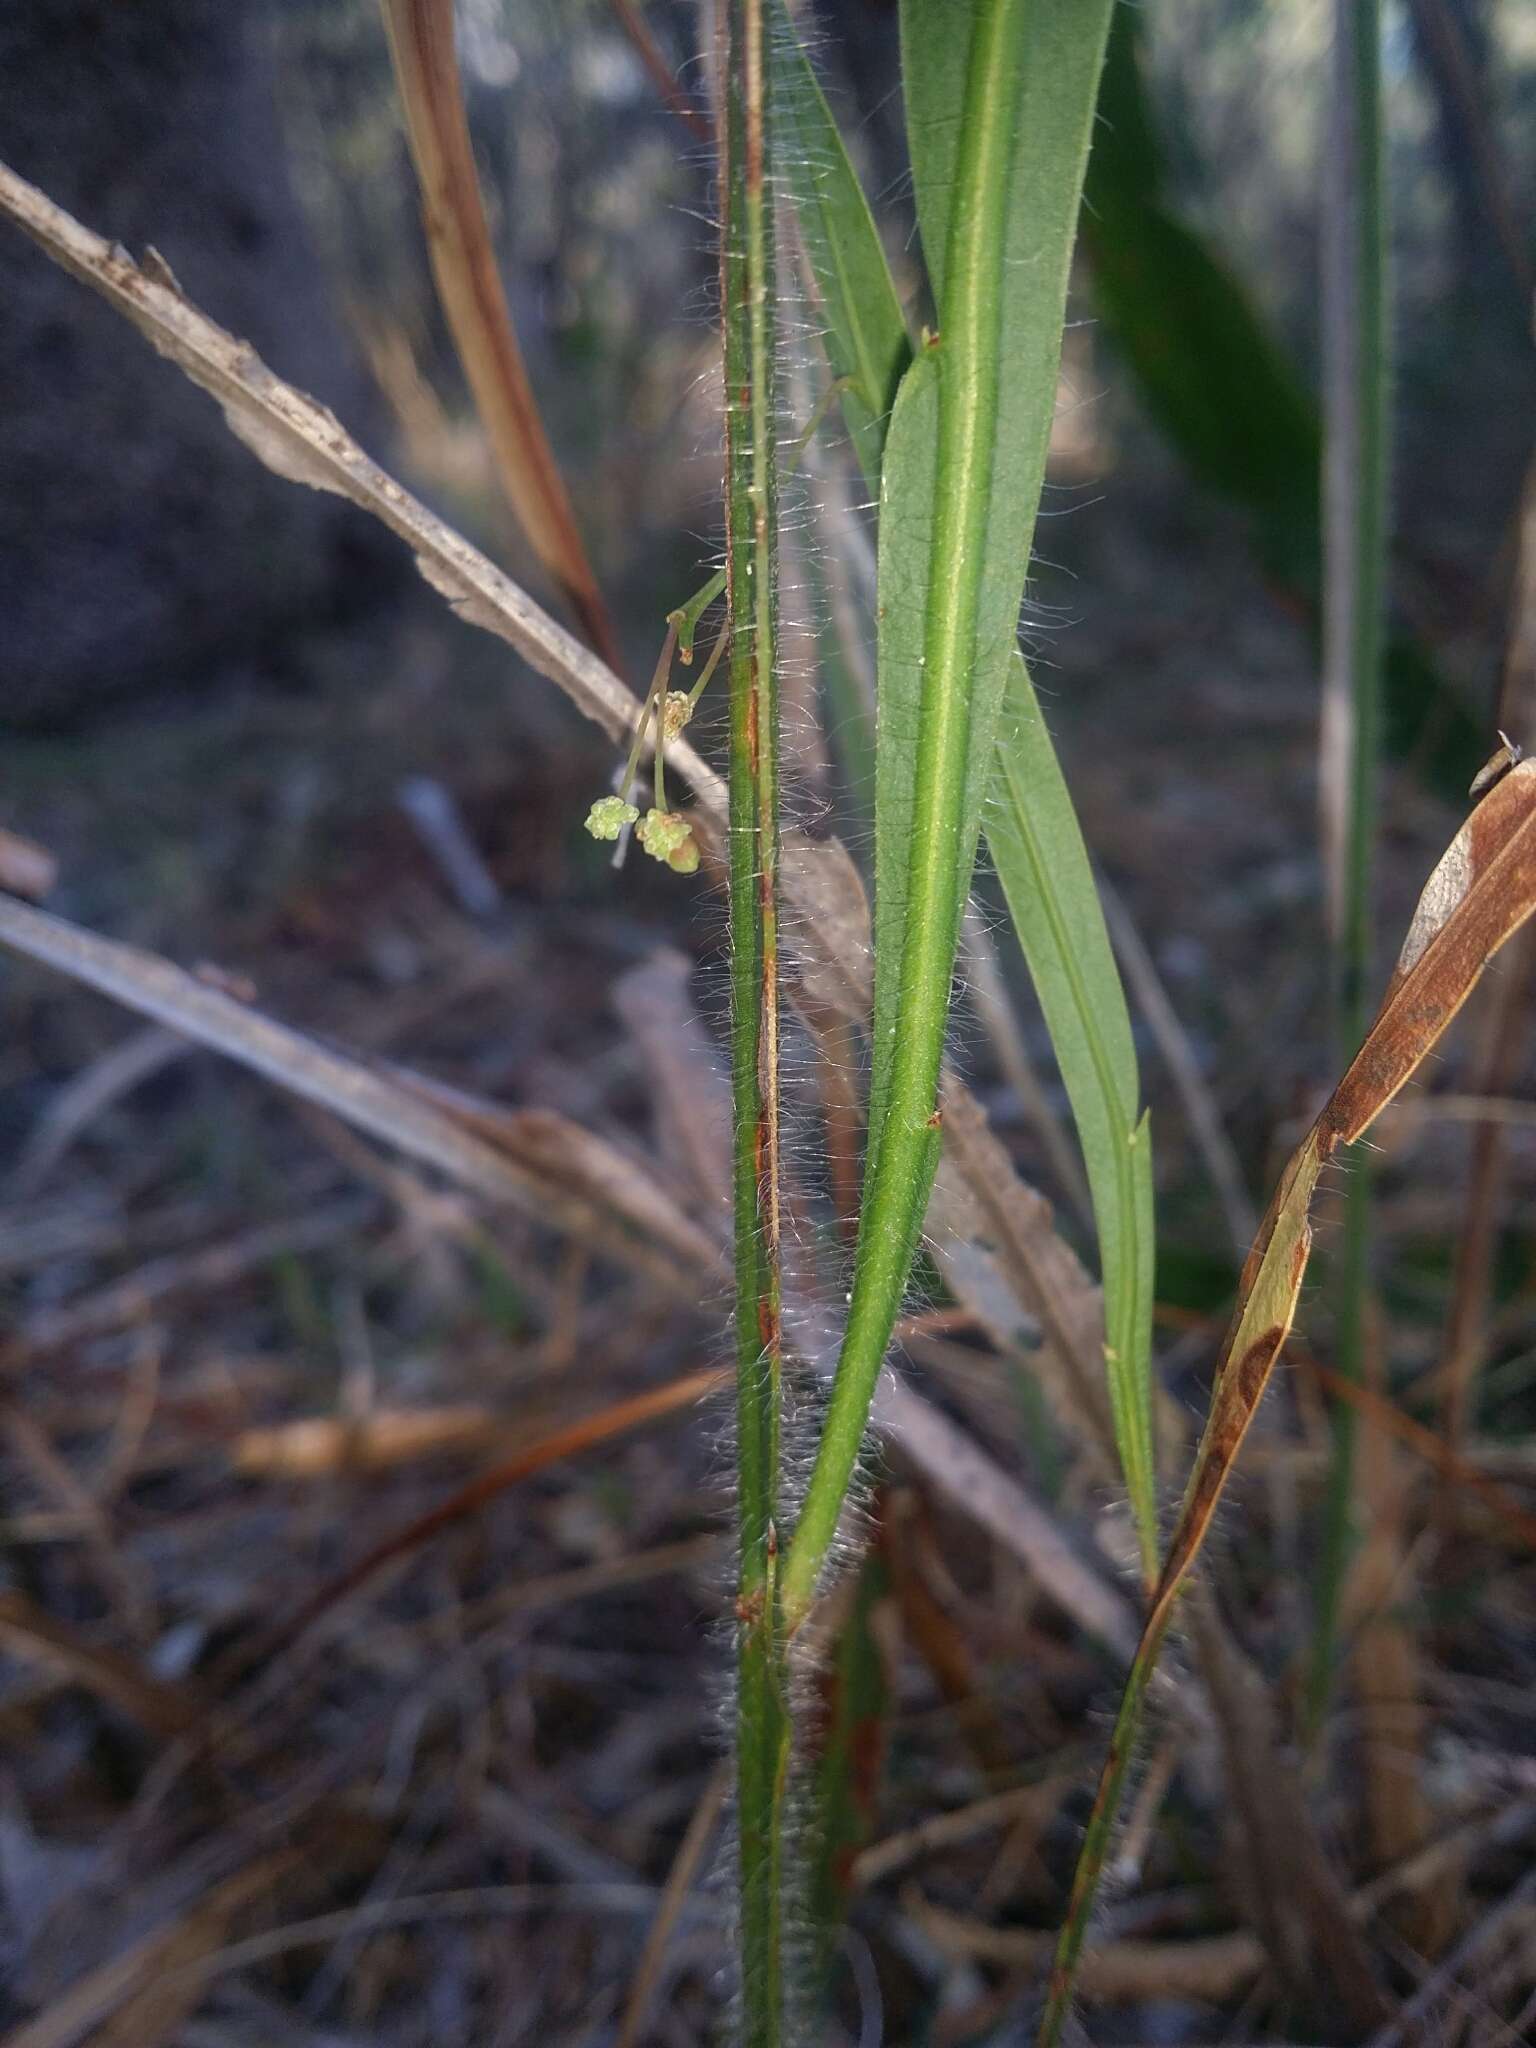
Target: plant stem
column 1356, row 344
column 903, row 1150
column 747, row 303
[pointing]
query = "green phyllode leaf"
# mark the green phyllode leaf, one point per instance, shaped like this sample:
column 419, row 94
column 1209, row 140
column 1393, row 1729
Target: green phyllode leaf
column 863, row 332
column 1038, row 850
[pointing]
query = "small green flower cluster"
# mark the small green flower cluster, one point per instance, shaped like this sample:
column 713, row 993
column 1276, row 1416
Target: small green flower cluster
column 665, row 834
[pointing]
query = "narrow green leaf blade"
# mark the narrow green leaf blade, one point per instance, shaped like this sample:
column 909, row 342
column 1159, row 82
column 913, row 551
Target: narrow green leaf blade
column 906, row 519
column 1058, row 58
column 957, row 517
column 1218, row 382
column 1037, row 847
column 863, row 331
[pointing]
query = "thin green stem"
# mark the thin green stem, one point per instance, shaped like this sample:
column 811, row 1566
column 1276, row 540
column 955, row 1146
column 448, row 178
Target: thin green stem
column 1100, row 1831
column 721, row 643
column 903, row 1153
column 1355, row 521
column 747, row 308
column 649, row 710
column 1338, row 1530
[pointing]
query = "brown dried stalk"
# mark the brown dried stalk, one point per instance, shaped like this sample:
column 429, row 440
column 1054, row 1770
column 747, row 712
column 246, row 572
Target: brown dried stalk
column 469, row 285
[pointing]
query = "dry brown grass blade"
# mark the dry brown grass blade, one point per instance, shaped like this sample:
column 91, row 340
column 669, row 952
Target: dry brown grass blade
column 691, row 1850
column 1212, row 1969
column 636, row 28
column 319, row 1446
column 937, row 1637
column 603, row 1197
column 1290, row 1892
column 26, row 868
column 1505, row 1030
column 690, row 1095
column 982, row 1203
column 157, row 1981
column 305, row 443
column 302, row 441
column 569, row 1442
column 978, row 1487
column 36, row 1637
column 1479, row 895
column 1387, row 1680
column 469, row 286
column 383, row 1106
column 545, row 1143
column 1458, row 1471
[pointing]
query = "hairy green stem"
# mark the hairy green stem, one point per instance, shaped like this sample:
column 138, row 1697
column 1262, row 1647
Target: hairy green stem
column 747, row 310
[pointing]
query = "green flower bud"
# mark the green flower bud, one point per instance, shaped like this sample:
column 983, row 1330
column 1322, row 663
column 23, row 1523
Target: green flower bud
column 608, row 817
column 665, row 836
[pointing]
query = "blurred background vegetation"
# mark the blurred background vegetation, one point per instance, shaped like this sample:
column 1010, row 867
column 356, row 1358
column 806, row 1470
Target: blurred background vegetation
column 223, row 700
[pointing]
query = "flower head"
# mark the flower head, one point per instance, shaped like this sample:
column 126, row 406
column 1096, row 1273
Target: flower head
column 608, row 817
column 676, row 710
column 665, row 835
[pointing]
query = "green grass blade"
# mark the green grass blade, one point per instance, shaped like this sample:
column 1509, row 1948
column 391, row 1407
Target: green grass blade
column 863, row 332
column 1089, row 1011
column 1212, row 374
column 751, row 428
column 1206, row 363
column 1041, row 860
column 964, row 464
column 1356, row 334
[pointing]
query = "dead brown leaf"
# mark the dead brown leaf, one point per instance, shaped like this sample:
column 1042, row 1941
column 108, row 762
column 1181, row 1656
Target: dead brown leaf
column 469, row 285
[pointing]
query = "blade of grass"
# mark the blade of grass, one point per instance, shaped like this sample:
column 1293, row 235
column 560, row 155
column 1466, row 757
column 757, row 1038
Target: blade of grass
column 863, row 332
column 469, row 285
column 297, row 438
column 1497, row 1061
column 864, row 336
column 1356, row 345
column 533, row 1160
column 691, row 1851
column 1038, row 849
column 1480, row 894
column 1213, row 376
column 964, row 462
column 568, row 1441
column 751, row 428
column 1319, row 1958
